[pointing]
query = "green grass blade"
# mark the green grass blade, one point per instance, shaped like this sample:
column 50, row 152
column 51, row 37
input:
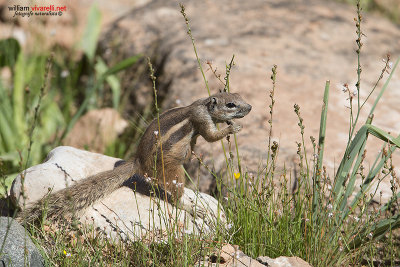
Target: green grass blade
column 352, row 179
column 376, row 230
column 347, row 162
column 92, row 32
column 321, row 144
column 122, row 65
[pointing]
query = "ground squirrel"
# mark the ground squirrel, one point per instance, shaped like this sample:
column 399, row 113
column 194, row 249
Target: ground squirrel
column 179, row 129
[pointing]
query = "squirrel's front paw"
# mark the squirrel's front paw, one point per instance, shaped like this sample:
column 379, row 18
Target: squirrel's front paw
column 234, row 127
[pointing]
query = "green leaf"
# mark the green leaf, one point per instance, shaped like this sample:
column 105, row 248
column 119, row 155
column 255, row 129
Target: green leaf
column 92, row 32
column 9, row 51
column 122, row 65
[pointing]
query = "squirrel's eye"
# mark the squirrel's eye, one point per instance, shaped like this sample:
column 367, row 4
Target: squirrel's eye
column 231, row 105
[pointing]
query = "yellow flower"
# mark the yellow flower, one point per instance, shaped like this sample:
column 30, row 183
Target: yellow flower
column 237, row 175
column 65, row 253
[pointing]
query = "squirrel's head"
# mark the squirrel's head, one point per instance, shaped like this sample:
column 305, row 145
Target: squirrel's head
column 227, row 106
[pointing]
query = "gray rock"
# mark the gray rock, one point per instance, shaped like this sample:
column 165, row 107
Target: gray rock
column 283, row 262
column 18, row 249
column 311, row 41
column 63, row 166
column 124, row 213
column 232, row 256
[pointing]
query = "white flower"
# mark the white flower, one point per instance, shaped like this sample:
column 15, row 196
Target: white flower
column 155, row 133
column 174, row 182
column 329, row 206
column 229, row 226
column 329, row 187
column 64, row 74
column 370, row 235
column 330, row 214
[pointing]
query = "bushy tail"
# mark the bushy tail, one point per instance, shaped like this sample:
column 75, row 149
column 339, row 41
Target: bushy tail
column 80, row 195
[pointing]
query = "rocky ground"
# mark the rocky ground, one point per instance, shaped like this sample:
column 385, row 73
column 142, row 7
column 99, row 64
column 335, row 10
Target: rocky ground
column 311, row 41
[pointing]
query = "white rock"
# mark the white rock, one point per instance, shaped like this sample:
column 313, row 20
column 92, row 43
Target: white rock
column 124, row 213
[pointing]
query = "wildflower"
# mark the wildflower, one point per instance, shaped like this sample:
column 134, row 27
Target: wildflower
column 229, row 226
column 237, row 175
column 156, row 133
column 64, row 74
column 174, row 182
column 67, row 254
column 329, row 206
column 330, row 214
column 370, row 235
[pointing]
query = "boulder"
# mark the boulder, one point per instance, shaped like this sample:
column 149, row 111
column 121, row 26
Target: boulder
column 18, row 249
column 124, row 213
column 96, row 129
column 283, row 262
column 231, row 256
column 310, row 41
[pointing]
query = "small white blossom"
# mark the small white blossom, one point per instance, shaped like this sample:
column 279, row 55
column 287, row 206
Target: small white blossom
column 64, row 74
column 174, row 182
column 370, row 235
column 329, row 187
column 329, row 206
column 229, row 226
column 155, row 133
column 330, row 214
